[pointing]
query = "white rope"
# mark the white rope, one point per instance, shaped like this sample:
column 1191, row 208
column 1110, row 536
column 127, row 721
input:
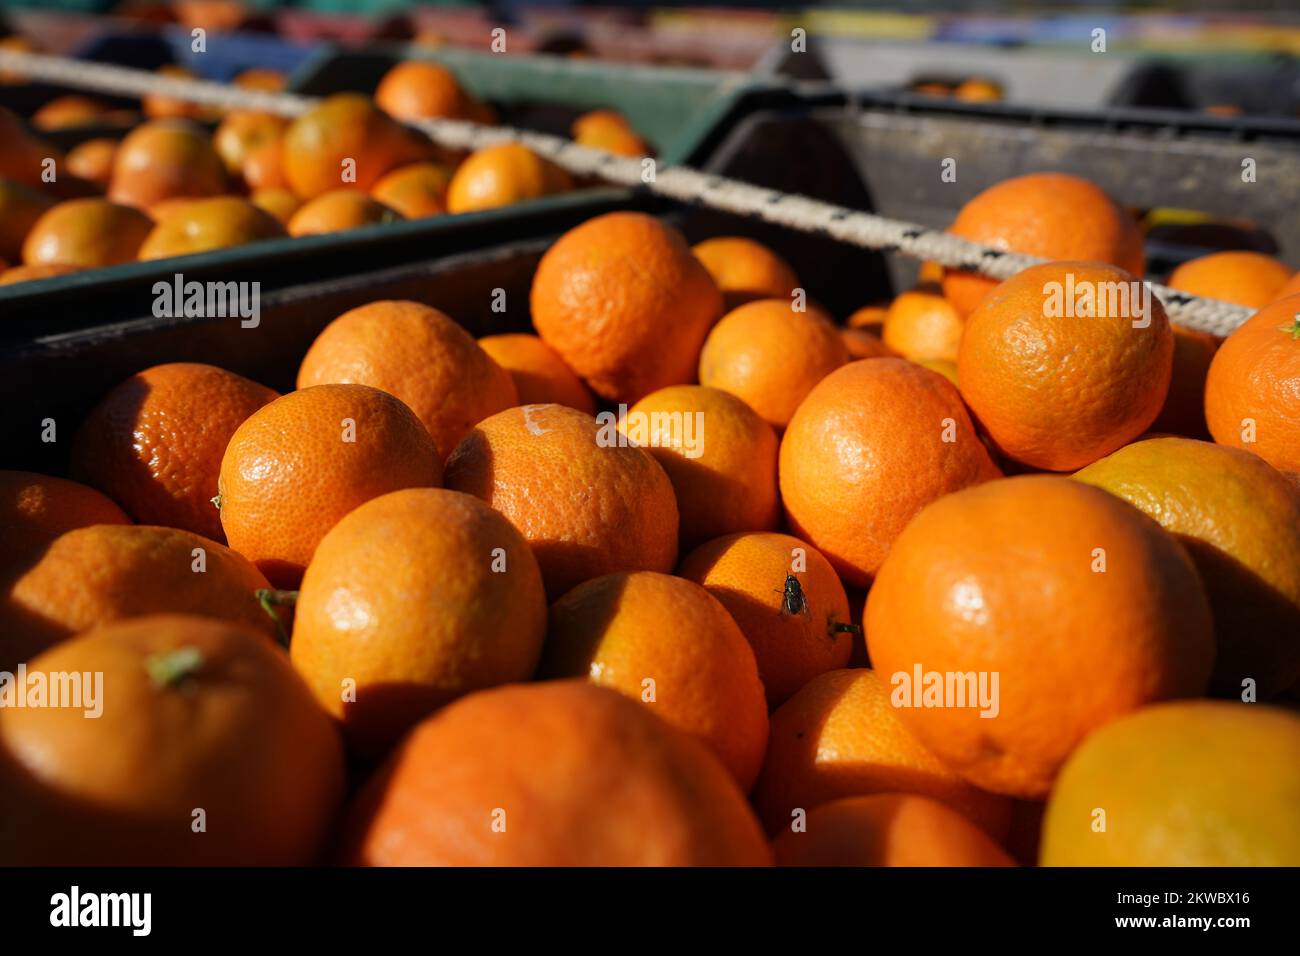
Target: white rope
column 675, row 182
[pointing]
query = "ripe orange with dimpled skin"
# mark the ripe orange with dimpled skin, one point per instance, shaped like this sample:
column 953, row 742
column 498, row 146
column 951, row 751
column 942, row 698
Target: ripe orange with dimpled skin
column 888, row 829
column 501, row 175
column 747, row 573
column 625, row 304
column 587, row 505
column 622, row 630
column 196, row 713
column 839, row 736
column 36, row 509
column 1050, row 215
column 353, row 620
column 165, row 159
column 418, row 89
column 1057, row 390
column 584, row 777
column 1037, row 579
column 745, row 270
column 1253, row 386
column 298, row 465
column 206, row 224
column 155, row 442
column 244, row 131
column 87, row 233
column 338, row 210
column 419, row 355
column 921, row 324
column 771, row 356
column 102, row 573
column 1244, row 278
column 719, row 455
column 871, row 445
column 540, row 376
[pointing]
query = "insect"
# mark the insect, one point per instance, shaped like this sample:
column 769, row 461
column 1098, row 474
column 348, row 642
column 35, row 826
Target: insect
column 792, row 598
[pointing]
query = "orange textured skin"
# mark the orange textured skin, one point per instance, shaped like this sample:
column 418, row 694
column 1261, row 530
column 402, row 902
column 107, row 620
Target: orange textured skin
column 1251, row 279
column 1240, row 521
column 624, row 303
column 415, row 191
column 417, row 89
column 36, row 509
column 583, row 776
column 922, row 324
column 503, row 174
column 1256, row 375
column 771, row 356
column 862, row 344
column 263, row 167
column 165, row 159
column 418, row 354
column 93, row 160
column 587, row 506
column 888, row 829
column 418, row 548
column 730, row 483
column 244, row 131
column 1051, row 215
column 102, row 573
column 207, row 224
column 1184, row 410
column 346, row 126
column 839, row 737
column 155, row 442
column 1003, row 578
column 622, row 630
column 747, row 572
column 540, row 376
column 87, row 233
column 745, row 270
column 1058, row 392
column 238, row 735
column 866, row 451
column 337, row 210
column 288, row 475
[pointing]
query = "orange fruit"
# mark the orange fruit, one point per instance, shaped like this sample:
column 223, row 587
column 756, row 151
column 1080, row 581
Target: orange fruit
column 587, row 503
column 944, row 367
column 417, row 354
column 1251, row 279
column 36, row 509
column 345, row 141
column 625, row 304
column 263, row 167
column 745, row 270
column 260, row 78
column 922, row 324
column 29, row 273
column 840, row 737
column 204, row 225
column 718, row 453
column 747, row 573
column 381, row 669
column 540, row 376
column 1252, row 391
column 415, row 191
column 155, row 442
column 1096, row 588
column 670, row 644
column 338, row 210
column 68, row 112
column 1240, row 521
column 93, row 160
column 869, row 317
column 1054, row 386
column 888, row 829
column 1169, row 781
column 208, row 750
column 978, row 91
column 870, row 446
column 610, row 131
column 88, row 233
column 418, row 89
column 299, row 464
column 1051, row 215
column 501, row 175
column 167, row 208
column 280, row 203
column 242, row 132
column 107, row 572
column 162, row 106
column 164, row 159
column 553, row 774
column 1184, row 410
column 21, row 207
column 862, row 344
column 23, row 159
column 770, row 356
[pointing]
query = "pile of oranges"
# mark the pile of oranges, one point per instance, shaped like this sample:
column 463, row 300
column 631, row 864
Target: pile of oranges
column 188, row 179
column 694, row 575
